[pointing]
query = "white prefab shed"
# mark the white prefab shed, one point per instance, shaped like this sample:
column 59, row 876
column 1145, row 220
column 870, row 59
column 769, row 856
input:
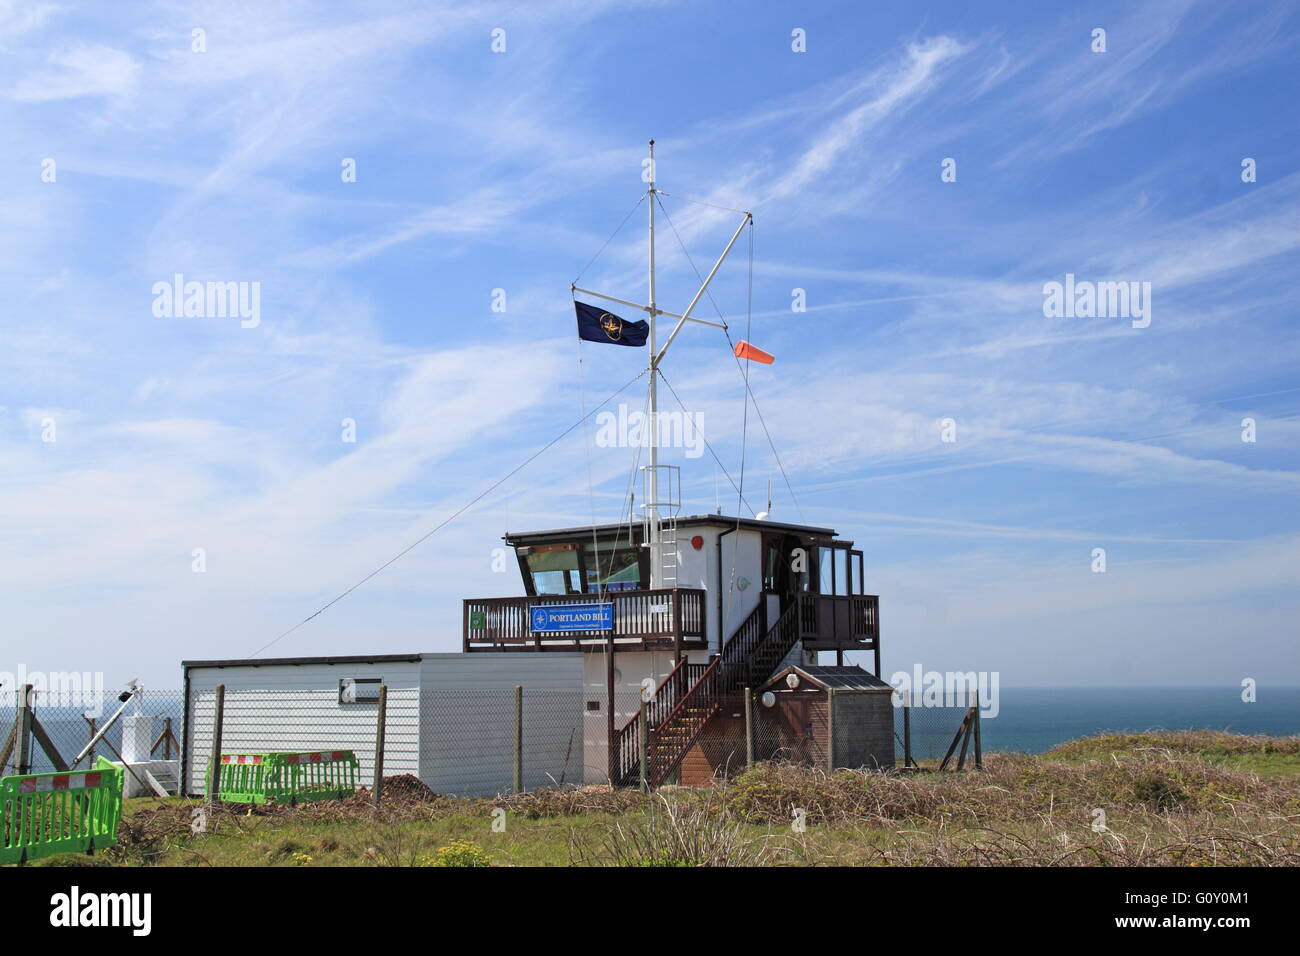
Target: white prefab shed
column 451, row 717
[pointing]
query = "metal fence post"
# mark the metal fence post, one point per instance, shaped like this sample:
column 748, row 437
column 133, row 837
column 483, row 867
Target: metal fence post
column 214, row 765
column 749, row 727
column 380, row 720
column 979, row 750
column 519, row 738
column 643, row 726
column 25, row 730
column 93, row 728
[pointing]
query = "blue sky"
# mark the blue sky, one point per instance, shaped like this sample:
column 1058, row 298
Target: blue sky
column 479, row 170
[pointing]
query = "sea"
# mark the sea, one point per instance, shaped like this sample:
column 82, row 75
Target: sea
column 1034, row 719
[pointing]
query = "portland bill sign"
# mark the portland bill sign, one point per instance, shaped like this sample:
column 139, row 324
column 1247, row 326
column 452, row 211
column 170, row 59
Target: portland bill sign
column 569, row 618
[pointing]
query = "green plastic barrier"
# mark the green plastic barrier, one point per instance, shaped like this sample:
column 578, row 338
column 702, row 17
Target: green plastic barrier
column 42, row 814
column 286, row 777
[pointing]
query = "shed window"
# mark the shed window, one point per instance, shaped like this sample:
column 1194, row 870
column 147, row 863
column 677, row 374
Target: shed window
column 359, row 690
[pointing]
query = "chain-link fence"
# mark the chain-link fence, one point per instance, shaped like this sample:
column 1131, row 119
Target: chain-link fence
column 474, row 741
column 68, row 721
column 862, row 732
column 456, row 741
column 928, row 733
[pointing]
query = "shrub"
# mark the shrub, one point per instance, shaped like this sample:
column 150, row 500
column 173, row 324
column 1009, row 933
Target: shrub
column 461, row 853
column 1159, row 792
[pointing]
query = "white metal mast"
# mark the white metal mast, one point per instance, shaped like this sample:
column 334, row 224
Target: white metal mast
column 652, row 476
column 652, row 503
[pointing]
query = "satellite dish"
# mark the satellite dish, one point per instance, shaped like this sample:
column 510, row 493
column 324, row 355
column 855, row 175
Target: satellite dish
column 768, row 698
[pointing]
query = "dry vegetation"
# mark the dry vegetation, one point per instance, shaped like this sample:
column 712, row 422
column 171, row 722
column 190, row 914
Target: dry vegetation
column 1119, row 800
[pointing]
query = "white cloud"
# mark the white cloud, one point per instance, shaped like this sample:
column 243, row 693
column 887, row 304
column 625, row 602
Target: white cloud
column 86, row 69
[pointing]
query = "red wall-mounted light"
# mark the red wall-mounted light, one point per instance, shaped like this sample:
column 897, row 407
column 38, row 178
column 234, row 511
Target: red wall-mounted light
column 697, row 542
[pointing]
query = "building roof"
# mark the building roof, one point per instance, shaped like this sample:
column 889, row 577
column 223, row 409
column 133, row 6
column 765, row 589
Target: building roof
column 849, row 677
column 684, row 521
column 273, row 661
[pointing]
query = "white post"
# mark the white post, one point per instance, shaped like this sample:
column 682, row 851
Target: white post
column 652, row 484
column 137, row 738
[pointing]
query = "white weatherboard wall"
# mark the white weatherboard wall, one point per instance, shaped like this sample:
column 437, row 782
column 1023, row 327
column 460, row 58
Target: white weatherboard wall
column 451, row 717
column 295, row 707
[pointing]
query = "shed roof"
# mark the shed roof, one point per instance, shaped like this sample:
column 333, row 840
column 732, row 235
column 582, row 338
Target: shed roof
column 838, row 678
column 281, row 661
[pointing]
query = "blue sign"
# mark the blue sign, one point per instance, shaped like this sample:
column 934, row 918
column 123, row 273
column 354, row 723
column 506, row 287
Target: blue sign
column 567, row 618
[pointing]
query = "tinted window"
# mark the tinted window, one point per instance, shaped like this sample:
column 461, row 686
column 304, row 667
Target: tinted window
column 613, row 569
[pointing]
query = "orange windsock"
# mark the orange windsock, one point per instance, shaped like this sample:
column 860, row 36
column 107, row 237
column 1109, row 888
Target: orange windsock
column 753, row 353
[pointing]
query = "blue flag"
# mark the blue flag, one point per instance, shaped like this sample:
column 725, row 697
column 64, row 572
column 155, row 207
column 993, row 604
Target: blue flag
column 597, row 325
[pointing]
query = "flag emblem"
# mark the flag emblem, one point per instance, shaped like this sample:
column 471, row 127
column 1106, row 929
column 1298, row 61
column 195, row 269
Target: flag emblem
column 597, row 325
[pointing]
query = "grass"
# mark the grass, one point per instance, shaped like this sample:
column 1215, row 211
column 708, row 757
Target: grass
column 1266, row 756
column 1186, row 798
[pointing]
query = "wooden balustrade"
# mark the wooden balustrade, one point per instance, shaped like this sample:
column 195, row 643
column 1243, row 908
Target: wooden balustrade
column 665, row 617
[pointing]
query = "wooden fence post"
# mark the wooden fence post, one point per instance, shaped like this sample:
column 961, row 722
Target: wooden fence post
column 643, row 726
column 519, row 738
column 381, row 720
column 979, row 750
column 830, row 730
column 25, row 730
column 214, row 764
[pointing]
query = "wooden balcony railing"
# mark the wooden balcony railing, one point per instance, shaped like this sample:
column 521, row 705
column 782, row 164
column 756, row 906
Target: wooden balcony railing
column 834, row 621
column 662, row 618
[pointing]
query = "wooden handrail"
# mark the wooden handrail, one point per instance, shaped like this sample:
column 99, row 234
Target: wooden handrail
column 691, row 694
column 626, row 744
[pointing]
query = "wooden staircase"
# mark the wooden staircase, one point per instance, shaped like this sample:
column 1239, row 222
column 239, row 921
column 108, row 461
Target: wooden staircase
column 692, row 694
